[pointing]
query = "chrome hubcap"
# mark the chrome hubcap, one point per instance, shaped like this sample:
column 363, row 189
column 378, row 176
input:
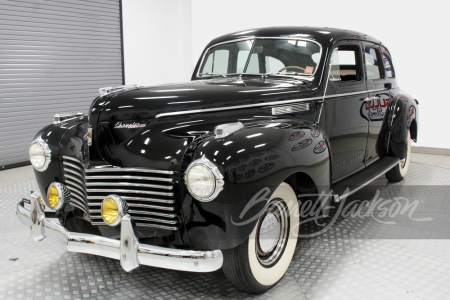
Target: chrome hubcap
column 403, row 163
column 272, row 232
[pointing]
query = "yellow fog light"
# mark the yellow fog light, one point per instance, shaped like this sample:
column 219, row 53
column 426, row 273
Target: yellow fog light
column 112, row 210
column 40, row 201
column 56, row 195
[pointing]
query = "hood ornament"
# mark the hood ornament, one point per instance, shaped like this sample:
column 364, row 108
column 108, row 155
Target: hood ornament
column 108, row 90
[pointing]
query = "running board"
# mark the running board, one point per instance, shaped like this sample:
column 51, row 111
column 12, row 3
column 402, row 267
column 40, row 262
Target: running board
column 359, row 180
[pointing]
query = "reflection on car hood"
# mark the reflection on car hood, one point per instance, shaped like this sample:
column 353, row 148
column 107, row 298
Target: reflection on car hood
column 148, row 102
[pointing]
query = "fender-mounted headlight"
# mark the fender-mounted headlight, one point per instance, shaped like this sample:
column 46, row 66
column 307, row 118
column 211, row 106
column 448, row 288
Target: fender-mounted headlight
column 203, row 180
column 40, row 154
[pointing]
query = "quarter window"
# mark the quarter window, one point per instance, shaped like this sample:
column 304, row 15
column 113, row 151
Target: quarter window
column 372, row 64
column 344, row 64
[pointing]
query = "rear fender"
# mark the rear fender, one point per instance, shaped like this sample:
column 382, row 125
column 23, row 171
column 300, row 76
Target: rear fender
column 401, row 118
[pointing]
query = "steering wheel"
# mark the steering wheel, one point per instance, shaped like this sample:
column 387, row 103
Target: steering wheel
column 292, row 67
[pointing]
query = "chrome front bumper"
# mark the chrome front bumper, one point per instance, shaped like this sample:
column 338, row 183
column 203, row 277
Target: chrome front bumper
column 128, row 250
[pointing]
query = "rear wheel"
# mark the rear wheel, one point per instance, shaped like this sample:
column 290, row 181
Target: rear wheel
column 397, row 173
column 261, row 261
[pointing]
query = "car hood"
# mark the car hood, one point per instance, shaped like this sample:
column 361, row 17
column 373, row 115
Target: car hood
column 150, row 102
column 127, row 129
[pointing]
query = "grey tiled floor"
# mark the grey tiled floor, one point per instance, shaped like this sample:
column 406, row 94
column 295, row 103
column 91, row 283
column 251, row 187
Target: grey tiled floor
column 343, row 263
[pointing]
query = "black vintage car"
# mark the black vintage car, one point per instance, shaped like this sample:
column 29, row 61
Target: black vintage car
column 207, row 174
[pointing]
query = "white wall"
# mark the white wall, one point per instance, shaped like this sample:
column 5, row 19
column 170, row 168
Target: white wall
column 414, row 32
column 157, row 41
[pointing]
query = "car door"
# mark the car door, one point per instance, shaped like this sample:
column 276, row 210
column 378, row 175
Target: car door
column 375, row 106
column 345, row 93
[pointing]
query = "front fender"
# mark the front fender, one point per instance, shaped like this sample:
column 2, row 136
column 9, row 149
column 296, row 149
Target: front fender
column 56, row 137
column 254, row 162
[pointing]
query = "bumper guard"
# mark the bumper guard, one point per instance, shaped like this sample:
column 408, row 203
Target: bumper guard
column 128, row 250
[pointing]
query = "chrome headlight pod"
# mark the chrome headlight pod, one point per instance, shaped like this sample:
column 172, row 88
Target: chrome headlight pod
column 203, row 180
column 57, row 195
column 113, row 209
column 40, row 154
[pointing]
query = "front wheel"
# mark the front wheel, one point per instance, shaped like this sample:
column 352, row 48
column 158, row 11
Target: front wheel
column 398, row 172
column 261, row 261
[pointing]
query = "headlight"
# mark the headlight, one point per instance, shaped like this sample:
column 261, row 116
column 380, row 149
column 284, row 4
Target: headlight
column 40, row 154
column 113, row 209
column 57, row 194
column 203, row 180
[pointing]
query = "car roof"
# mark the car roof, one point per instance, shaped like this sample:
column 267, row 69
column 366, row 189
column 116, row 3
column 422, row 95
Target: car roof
column 326, row 36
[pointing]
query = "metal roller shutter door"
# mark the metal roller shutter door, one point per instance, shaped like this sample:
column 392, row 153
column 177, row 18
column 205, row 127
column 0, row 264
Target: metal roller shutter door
column 54, row 55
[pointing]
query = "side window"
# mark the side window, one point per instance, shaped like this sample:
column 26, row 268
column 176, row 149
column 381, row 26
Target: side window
column 344, row 64
column 273, row 64
column 253, row 64
column 372, row 64
column 241, row 60
column 217, row 62
column 388, row 67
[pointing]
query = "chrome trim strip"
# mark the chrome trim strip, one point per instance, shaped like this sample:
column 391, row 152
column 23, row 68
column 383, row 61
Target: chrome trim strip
column 381, row 173
column 122, row 177
column 355, row 93
column 78, row 193
column 77, row 204
column 257, row 38
column 168, row 201
column 144, row 225
column 133, row 212
column 80, row 175
column 78, row 187
column 129, row 184
column 196, row 111
column 172, row 222
column 74, row 166
column 70, row 177
column 130, row 256
column 72, row 159
column 157, row 226
column 139, row 205
column 115, row 169
column 109, row 191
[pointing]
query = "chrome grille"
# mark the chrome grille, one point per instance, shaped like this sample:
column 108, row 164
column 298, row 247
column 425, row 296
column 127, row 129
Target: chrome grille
column 148, row 193
column 74, row 179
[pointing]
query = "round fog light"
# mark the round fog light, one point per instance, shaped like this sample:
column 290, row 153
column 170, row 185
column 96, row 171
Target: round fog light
column 113, row 208
column 56, row 194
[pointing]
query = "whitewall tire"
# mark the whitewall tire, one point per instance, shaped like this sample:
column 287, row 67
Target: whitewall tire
column 399, row 172
column 262, row 260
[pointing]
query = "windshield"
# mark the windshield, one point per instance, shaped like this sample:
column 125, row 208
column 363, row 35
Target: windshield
column 262, row 56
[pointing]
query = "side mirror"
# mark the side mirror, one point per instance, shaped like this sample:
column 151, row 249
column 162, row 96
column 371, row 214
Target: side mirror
column 388, row 85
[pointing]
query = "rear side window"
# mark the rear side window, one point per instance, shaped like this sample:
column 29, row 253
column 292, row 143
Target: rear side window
column 372, row 64
column 388, row 67
column 345, row 64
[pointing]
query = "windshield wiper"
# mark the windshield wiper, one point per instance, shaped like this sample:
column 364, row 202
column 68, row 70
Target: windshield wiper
column 307, row 82
column 213, row 74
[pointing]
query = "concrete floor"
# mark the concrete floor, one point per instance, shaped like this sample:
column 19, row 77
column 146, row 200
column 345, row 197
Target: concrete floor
column 357, row 258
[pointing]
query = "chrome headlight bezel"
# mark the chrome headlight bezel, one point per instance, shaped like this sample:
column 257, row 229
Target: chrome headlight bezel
column 121, row 206
column 63, row 195
column 47, row 153
column 212, row 168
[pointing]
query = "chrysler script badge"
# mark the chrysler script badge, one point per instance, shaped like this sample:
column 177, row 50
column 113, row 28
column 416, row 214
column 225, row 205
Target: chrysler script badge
column 129, row 125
